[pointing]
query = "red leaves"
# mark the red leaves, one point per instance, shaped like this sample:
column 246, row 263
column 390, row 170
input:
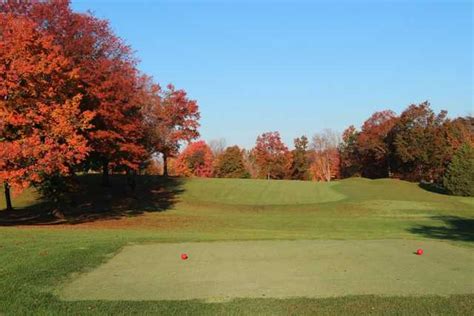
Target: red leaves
column 169, row 118
column 195, row 160
column 272, row 156
column 42, row 125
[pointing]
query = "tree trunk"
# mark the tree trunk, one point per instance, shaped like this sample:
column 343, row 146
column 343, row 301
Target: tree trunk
column 8, row 199
column 131, row 180
column 165, row 165
column 105, row 173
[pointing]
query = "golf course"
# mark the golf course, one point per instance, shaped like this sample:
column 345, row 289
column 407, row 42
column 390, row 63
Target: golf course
column 236, row 157
column 253, row 247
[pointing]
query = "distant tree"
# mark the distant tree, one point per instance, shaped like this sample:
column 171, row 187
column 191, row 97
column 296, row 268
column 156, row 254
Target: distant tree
column 195, row 160
column 325, row 162
column 230, row 164
column 457, row 132
column 217, row 146
column 420, row 143
column 272, row 156
column 41, row 125
column 300, row 161
column 373, row 144
column 250, row 163
column 177, row 121
column 459, row 177
column 350, row 162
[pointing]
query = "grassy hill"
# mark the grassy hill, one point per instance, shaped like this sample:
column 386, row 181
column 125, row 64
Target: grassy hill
column 38, row 252
column 259, row 192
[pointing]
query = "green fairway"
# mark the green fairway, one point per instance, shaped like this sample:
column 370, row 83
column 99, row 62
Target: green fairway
column 41, row 258
column 260, row 192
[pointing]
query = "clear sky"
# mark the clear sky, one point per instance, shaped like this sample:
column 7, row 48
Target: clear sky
column 300, row 66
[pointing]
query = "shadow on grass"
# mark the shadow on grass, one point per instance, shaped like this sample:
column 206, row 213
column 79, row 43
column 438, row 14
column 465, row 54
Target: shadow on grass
column 432, row 187
column 454, row 228
column 93, row 202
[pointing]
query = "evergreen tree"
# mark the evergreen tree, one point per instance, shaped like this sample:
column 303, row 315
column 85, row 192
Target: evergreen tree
column 300, row 165
column 459, row 178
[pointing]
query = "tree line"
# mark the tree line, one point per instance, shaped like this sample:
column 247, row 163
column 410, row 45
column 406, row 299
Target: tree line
column 417, row 145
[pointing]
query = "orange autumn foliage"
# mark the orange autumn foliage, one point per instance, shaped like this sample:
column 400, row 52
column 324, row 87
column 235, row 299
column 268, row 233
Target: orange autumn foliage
column 106, row 77
column 41, row 124
column 196, row 160
column 325, row 165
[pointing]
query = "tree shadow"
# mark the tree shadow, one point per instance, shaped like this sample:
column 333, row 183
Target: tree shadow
column 432, row 187
column 93, row 202
column 455, row 228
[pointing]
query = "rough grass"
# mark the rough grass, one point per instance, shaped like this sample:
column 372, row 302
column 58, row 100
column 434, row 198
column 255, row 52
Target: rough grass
column 37, row 258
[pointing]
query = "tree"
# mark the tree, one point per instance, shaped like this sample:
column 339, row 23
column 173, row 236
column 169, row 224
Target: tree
column 374, row 145
column 230, row 164
column 420, row 143
column 300, row 165
column 117, row 136
column 195, row 160
column 349, row 153
column 459, row 177
column 250, row 163
column 107, row 79
column 41, row 125
column 458, row 132
column 272, row 156
column 325, row 162
column 218, row 146
column 174, row 119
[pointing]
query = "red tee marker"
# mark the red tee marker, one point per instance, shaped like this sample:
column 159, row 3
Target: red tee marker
column 184, row 256
column 419, row 252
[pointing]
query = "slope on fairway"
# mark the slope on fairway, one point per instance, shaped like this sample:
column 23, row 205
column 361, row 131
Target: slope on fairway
column 259, row 192
column 218, row 271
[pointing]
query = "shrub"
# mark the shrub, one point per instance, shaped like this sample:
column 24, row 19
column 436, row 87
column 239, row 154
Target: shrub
column 459, row 177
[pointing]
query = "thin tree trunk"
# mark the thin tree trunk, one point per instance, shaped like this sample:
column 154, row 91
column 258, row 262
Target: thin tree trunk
column 8, row 199
column 131, row 180
column 165, row 165
column 105, row 173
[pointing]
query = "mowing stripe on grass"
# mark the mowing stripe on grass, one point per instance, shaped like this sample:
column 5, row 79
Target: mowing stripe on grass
column 218, row 271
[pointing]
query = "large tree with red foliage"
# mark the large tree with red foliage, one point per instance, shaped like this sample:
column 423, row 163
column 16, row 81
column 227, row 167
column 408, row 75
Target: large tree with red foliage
column 171, row 118
column 41, row 124
column 106, row 78
column 374, row 144
column 272, row 156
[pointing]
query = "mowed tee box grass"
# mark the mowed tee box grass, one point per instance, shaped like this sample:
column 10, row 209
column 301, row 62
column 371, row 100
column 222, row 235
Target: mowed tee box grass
column 351, row 237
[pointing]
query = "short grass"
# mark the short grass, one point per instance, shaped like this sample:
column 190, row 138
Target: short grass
column 37, row 258
column 259, row 192
column 224, row 270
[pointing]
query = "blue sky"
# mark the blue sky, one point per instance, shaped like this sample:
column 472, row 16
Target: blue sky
column 300, row 66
